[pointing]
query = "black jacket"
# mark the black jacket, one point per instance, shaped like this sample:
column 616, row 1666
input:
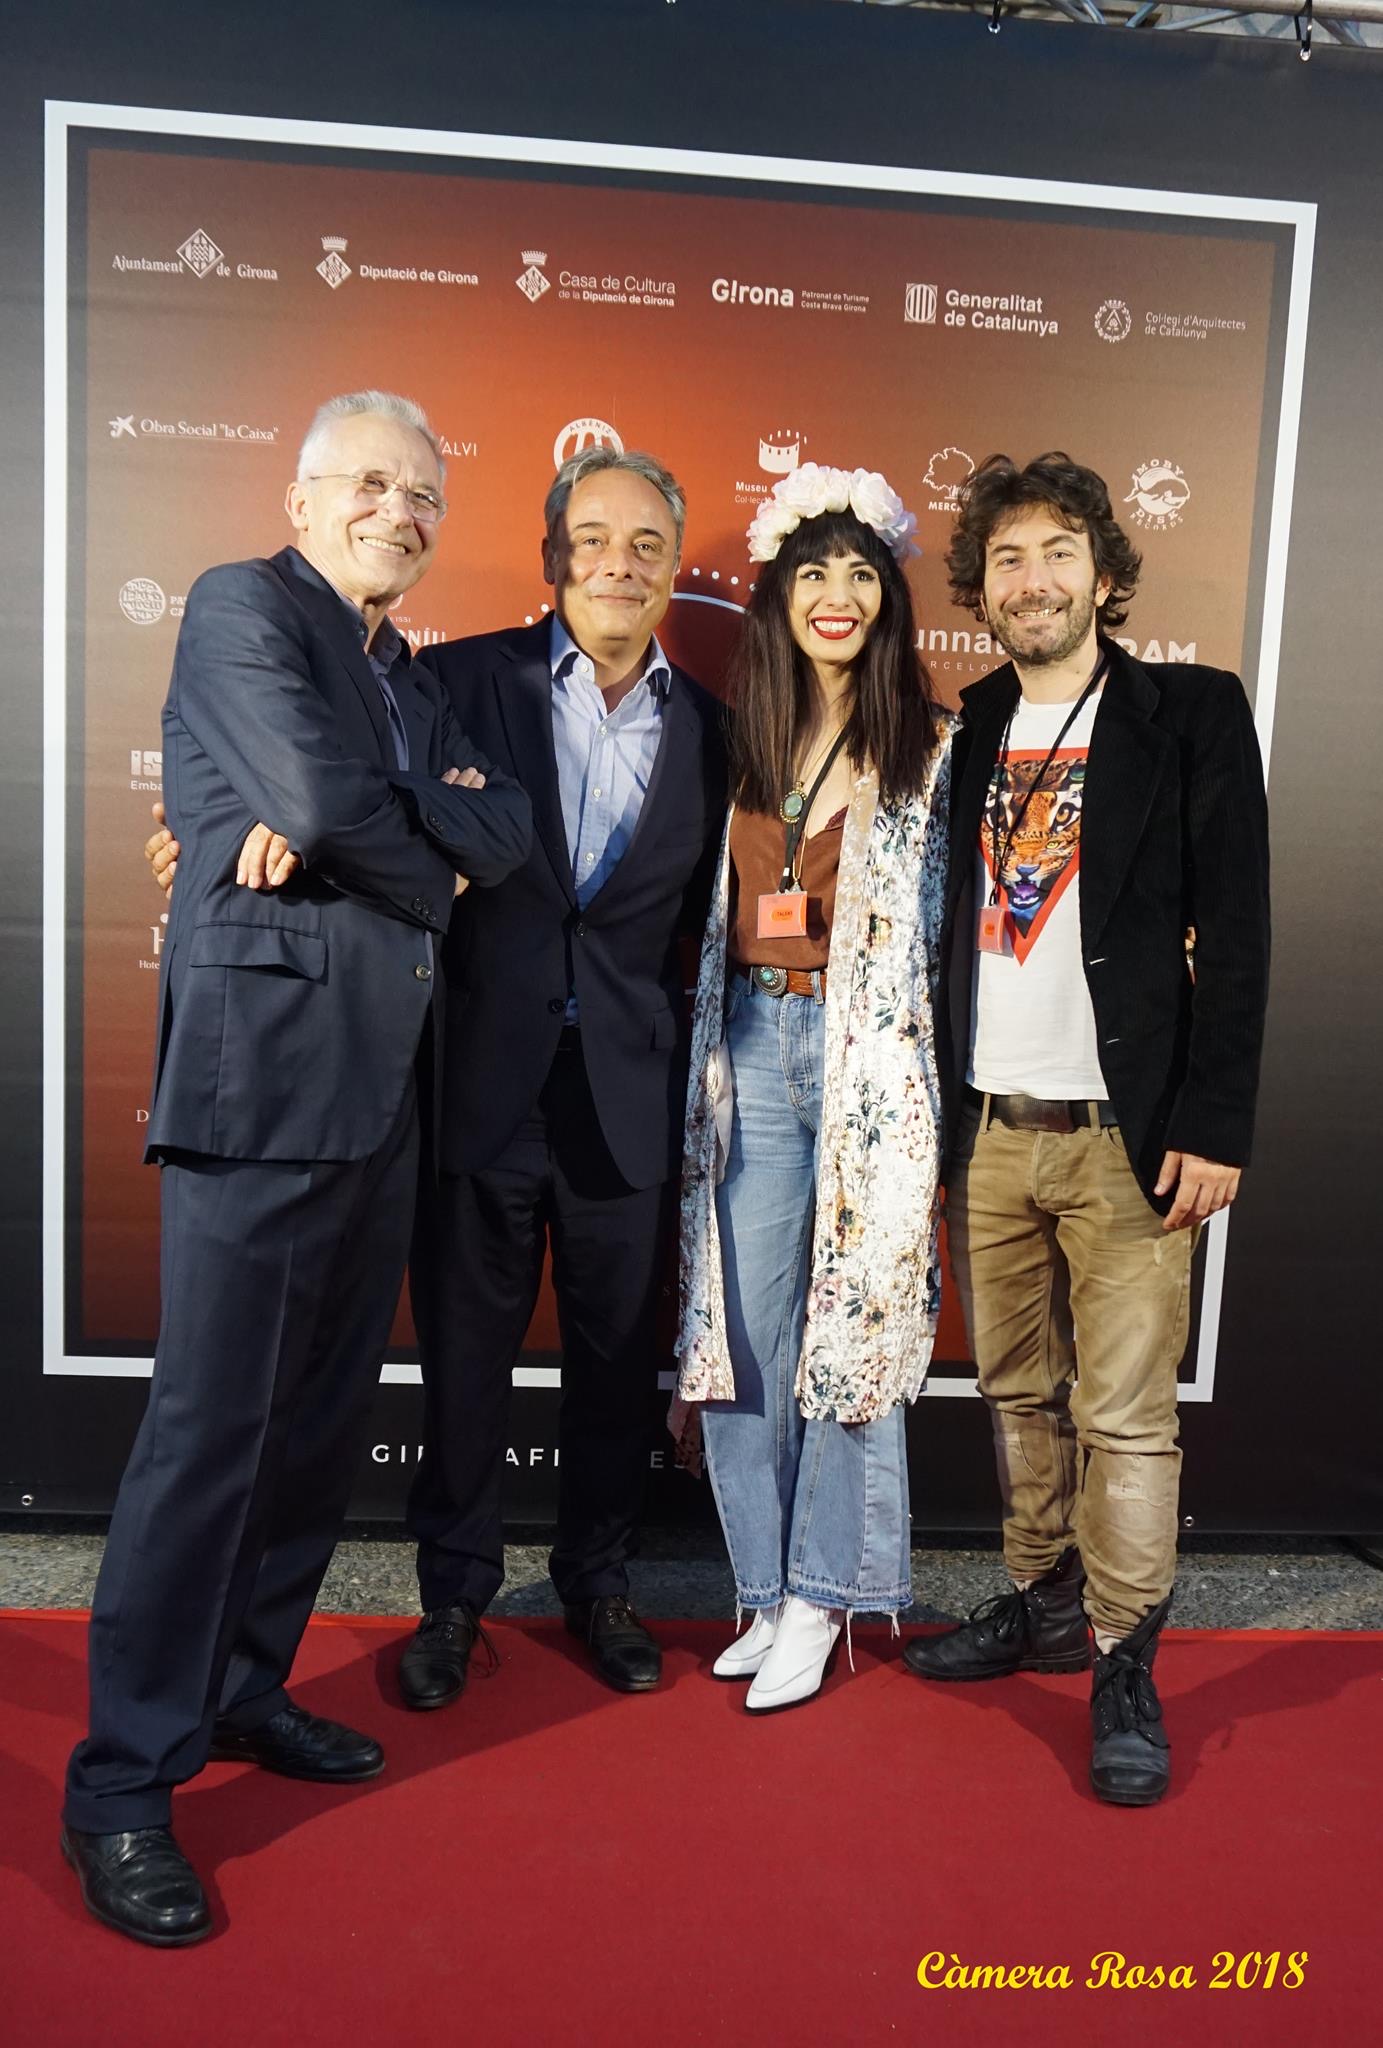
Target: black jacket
column 1174, row 834
column 289, row 1020
column 513, row 952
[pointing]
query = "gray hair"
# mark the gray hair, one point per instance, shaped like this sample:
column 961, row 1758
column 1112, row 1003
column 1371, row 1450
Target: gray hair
column 385, row 405
column 592, row 462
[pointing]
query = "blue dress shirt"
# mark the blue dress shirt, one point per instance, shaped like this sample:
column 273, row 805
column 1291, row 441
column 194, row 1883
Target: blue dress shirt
column 604, row 759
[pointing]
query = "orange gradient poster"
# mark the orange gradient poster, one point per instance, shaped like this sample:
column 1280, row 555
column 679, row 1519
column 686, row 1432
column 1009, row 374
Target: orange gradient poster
column 731, row 316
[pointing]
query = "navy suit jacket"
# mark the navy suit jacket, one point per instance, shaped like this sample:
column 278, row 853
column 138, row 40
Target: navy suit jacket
column 289, row 1020
column 1174, row 834
column 513, row 952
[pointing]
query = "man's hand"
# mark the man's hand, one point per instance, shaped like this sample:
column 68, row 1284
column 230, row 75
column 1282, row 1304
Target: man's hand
column 1202, row 1188
column 266, row 860
column 464, row 778
column 161, row 850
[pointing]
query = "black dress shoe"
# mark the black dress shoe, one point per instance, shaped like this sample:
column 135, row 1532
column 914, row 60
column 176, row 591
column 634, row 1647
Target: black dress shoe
column 297, row 1744
column 622, row 1650
column 140, row 1883
column 1130, row 1760
column 436, row 1662
column 1040, row 1628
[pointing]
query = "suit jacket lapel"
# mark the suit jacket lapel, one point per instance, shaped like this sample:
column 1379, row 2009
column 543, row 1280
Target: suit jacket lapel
column 524, row 681
column 1127, row 752
column 327, row 612
column 986, row 706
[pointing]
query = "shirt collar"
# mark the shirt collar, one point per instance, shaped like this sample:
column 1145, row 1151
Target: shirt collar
column 564, row 654
column 388, row 641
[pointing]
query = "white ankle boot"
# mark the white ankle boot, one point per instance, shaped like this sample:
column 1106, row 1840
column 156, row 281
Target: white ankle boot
column 796, row 1661
column 748, row 1651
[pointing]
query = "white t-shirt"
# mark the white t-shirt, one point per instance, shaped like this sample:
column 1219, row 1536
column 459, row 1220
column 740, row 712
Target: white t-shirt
column 1032, row 1028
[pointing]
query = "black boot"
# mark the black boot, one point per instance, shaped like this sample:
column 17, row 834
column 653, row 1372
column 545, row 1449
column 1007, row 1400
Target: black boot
column 1040, row 1628
column 1131, row 1760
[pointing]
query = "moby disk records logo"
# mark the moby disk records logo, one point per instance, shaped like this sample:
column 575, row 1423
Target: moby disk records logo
column 1160, row 495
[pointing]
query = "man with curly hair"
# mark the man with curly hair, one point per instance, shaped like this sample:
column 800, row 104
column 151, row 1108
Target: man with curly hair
column 1107, row 946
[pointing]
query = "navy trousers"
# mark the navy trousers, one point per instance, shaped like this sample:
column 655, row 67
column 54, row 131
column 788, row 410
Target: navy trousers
column 279, row 1285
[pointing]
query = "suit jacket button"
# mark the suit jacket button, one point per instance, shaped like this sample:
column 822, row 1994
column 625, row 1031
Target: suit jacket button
column 434, row 822
column 423, row 973
column 556, row 1006
column 579, row 929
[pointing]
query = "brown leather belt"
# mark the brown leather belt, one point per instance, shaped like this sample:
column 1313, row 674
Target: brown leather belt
column 1032, row 1113
column 784, row 981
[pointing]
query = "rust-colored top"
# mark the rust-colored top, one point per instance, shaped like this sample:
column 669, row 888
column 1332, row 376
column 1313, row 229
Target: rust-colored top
column 756, row 866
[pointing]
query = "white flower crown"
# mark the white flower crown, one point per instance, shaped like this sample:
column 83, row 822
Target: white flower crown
column 811, row 489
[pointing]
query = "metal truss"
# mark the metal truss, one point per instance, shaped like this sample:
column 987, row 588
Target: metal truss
column 1357, row 24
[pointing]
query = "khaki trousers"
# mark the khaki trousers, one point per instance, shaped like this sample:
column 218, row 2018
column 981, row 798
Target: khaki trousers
column 1059, row 1256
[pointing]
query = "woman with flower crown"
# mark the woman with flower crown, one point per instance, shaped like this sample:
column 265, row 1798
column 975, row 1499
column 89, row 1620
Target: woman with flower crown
column 809, row 1275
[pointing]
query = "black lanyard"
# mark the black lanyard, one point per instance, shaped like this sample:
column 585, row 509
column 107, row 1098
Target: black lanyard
column 796, row 824
column 997, row 775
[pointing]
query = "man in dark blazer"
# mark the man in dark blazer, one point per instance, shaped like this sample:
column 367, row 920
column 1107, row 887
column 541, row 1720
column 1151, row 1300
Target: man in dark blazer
column 1107, row 963
column 328, row 809
column 565, row 1069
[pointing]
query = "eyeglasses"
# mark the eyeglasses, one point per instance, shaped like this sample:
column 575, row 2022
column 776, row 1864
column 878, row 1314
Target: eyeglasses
column 373, row 489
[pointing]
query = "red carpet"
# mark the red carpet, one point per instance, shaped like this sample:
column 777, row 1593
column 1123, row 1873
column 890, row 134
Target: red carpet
column 550, row 1862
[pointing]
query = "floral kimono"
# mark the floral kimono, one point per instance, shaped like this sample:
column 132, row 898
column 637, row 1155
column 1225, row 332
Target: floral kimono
column 874, row 1287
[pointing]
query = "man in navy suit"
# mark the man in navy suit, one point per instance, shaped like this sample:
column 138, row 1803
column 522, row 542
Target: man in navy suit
column 565, row 1069
column 328, row 809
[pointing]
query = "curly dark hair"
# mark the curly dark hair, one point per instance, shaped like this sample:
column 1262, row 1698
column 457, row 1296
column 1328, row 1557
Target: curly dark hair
column 891, row 721
column 1076, row 496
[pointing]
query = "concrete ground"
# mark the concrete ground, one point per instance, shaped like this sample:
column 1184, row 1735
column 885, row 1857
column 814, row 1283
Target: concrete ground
column 1244, row 1582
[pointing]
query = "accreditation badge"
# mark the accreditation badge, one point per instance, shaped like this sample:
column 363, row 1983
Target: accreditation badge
column 992, row 936
column 783, row 915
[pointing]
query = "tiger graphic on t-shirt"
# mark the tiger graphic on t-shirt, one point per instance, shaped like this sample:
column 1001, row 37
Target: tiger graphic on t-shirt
column 1044, row 852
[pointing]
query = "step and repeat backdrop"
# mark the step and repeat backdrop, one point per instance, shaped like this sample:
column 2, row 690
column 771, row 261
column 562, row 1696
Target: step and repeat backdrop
column 210, row 276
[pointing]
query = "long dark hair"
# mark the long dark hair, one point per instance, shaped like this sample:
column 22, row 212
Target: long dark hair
column 891, row 723
column 1080, row 500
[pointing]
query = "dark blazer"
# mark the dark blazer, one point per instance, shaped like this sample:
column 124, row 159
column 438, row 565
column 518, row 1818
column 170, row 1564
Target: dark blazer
column 1174, row 833
column 512, row 953
column 289, row 1020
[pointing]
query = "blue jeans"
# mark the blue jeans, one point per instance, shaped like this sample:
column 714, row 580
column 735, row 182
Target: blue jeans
column 816, row 1508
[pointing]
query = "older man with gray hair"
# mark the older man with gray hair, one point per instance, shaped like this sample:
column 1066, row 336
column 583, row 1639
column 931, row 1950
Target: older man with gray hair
column 328, row 810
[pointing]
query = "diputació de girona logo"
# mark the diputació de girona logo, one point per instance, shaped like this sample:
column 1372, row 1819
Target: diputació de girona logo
column 531, row 281
column 1113, row 321
column 333, row 268
column 1159, row 495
